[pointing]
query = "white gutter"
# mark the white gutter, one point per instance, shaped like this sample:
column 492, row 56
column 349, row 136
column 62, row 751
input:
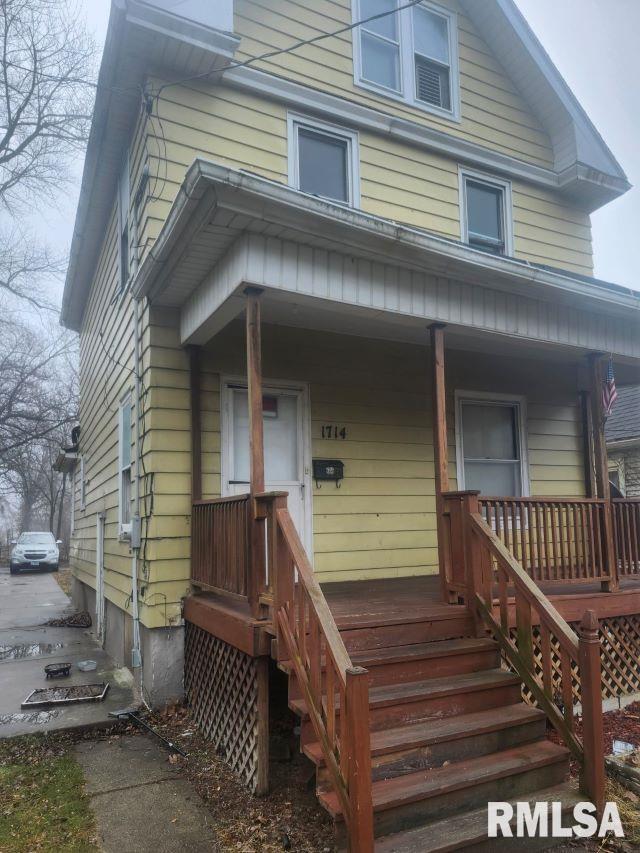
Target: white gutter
column 623, row 444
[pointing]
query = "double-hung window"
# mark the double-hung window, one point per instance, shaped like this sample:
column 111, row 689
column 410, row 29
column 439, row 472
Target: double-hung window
column 124, row 465
column 323, row 160
column 486, row 213
column 491, row 444
column 411, row 54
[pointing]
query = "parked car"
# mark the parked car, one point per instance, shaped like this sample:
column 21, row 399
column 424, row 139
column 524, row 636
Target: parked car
column 35, row 550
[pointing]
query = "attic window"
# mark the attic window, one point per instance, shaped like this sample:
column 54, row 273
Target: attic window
column 409, row 53
column 485, row 206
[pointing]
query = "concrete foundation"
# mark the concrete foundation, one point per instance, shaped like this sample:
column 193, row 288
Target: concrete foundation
column 162, row 648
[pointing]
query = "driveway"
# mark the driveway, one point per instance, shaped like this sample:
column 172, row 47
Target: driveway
column 27, row 601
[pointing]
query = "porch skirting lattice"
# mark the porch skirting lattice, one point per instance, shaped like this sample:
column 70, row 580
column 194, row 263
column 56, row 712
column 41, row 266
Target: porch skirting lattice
column 619, row 654
column 223, row 686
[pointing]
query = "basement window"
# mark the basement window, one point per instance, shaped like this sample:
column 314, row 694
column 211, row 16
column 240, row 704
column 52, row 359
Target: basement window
column 486, row 213
column 323, row 160
column 410, row 54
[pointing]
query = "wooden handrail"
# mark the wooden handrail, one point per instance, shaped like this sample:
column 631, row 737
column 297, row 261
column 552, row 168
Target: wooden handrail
column 336, row 692
column 489, row 563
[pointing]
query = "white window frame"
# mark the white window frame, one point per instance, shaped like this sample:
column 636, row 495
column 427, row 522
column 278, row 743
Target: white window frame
column 124, row 528
column 124, row 220
column 520, row 405
column 72, row 508
column 407, row 69
column 295, row 121
column 494, row 182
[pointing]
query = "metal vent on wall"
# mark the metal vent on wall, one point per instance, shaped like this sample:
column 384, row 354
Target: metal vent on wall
column 432, row 83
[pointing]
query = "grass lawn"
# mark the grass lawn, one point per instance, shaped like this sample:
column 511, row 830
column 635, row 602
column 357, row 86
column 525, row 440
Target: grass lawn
column 42, row 804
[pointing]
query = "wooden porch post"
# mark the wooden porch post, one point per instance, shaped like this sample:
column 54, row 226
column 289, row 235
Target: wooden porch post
column 196, row 425
column 254, row 384
column 587, row 444
column 440, row 449
column 601, row 467
column 257, row 562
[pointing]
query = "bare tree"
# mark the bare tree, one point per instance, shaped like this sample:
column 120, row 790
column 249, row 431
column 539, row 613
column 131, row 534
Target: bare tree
column 38, row 393
column 46, row 62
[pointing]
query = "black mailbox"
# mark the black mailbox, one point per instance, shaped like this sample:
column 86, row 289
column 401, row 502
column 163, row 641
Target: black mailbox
column 328, row 469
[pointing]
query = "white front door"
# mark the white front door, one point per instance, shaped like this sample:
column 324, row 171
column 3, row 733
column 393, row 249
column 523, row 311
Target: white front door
column 286, row 463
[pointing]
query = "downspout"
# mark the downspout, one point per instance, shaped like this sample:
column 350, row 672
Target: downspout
column 136, row 655
column 136, row 527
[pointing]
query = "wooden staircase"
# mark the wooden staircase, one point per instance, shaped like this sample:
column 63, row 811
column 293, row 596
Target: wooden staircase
column 448, row 733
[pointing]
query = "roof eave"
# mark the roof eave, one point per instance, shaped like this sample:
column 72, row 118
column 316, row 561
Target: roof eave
column 260, row 197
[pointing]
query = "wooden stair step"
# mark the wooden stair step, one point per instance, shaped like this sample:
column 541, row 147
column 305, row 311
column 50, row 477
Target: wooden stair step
column 396, row 664
column 400, row 654
column 469, row 830
column 406, row 801
column 445, row 730
column 434, row 697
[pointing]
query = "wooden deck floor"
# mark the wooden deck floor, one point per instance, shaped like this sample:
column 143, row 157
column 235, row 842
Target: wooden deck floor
column 397, row 600
column 392, row 600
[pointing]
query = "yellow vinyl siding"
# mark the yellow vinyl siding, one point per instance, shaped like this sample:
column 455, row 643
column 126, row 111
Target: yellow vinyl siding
column 398, row 181
column 492, row 112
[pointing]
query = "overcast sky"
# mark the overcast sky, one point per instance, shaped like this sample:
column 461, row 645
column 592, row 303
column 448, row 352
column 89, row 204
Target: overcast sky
column 594, row 43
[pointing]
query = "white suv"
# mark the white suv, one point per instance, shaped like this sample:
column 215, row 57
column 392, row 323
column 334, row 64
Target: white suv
column 37, row 550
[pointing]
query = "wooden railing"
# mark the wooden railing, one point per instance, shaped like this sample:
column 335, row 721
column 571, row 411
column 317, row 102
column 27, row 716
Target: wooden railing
column 626, row 529
column 221, row 545
column 336, row 693
column 555, row 540
column 490, row 565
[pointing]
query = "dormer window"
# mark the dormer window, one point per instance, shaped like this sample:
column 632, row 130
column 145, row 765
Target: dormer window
column 411, row 54
column 485, row 211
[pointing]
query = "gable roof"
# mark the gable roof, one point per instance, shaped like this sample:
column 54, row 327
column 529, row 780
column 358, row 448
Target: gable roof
column 624, row 421
column 146, row 33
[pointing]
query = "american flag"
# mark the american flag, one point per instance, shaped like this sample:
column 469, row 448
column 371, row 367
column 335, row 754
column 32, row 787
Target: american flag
column 609, row 393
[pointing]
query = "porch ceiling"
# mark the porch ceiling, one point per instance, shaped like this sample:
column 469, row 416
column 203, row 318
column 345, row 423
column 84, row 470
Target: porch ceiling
column 228, row 229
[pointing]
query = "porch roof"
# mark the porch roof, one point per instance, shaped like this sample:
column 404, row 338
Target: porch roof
column 228, row 229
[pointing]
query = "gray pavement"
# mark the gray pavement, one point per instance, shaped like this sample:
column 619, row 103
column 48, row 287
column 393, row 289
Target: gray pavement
column 27, row 601
column 139, row 801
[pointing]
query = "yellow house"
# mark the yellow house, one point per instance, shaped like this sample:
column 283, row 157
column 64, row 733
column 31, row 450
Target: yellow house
column 341, row 250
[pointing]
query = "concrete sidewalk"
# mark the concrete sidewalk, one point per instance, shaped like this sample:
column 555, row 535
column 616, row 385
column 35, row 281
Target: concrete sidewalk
column 26, row 602
column 139, row 801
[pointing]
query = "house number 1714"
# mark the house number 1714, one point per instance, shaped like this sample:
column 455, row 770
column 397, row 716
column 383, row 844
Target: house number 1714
column 333, row 431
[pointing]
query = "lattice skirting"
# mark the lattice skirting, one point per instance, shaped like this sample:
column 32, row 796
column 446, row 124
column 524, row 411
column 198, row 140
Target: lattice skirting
column 227, row 692
column 619, row 653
